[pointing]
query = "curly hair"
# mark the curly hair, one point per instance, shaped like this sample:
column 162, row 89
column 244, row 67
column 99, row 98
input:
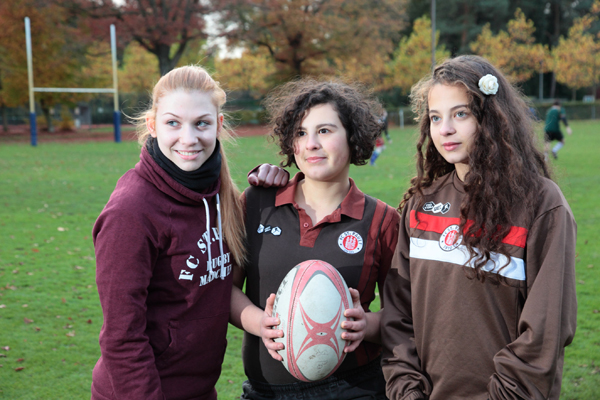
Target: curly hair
column 357, row 109
column 505, row 165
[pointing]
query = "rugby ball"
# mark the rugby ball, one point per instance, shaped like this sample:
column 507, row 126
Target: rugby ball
column 310, row 305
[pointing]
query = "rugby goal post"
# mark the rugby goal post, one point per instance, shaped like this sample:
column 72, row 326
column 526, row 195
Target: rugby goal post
column 32, row 89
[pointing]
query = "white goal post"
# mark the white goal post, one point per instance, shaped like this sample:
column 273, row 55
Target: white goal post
column 114, row 90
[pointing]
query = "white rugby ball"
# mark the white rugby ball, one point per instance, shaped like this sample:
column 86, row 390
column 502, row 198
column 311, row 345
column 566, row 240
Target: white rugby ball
column 310, row 304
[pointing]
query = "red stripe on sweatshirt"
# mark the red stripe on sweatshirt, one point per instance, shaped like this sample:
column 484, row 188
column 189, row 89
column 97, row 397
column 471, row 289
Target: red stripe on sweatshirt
column 517, row 236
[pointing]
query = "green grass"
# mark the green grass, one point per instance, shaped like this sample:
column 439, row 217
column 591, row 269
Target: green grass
column 51, row 195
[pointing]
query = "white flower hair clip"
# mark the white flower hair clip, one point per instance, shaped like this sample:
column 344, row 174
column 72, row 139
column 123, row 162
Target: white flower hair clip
column 488, row 84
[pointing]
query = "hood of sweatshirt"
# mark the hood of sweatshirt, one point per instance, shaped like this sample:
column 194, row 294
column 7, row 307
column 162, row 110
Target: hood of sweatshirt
column 148, row 169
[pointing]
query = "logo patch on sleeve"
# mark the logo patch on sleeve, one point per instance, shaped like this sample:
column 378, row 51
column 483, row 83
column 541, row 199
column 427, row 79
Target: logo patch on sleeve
column 450, row 238
column 350, row 242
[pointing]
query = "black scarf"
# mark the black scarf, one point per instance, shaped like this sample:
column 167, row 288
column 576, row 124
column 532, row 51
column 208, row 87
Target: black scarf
column 198, row 180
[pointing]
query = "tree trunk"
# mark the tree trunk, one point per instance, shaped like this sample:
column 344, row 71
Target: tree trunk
column 165, row 62
column 4, row 118
column 555, row 35
column 464, row 38
column 47, row 116
column 574, row 94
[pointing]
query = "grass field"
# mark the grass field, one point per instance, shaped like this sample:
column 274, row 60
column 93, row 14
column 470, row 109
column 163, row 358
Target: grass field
column 50, row 196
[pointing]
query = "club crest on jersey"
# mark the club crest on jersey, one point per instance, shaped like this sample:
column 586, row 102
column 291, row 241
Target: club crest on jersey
column 350, row 242
column 436, row 208
column 275, row 231
column 450, row 238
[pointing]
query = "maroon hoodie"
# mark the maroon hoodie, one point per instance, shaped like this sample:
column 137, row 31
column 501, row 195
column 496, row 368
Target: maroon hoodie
column 164, row 282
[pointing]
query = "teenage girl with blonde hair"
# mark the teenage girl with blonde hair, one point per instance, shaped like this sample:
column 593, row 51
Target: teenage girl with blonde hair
column 163, row 264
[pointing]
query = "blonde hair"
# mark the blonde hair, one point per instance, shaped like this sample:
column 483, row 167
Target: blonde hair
column 190, row 78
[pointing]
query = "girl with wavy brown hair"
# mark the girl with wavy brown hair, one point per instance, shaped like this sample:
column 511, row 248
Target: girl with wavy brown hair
column 480, row 299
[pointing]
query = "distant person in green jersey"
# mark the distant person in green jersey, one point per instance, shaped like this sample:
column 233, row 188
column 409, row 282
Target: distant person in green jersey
column 552, row 130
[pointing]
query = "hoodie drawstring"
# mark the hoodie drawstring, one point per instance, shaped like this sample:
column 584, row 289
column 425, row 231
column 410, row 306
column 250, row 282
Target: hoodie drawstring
column 221, row 258
column 223, row 271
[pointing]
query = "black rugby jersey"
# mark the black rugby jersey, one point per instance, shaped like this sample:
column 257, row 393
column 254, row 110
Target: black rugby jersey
column 358, row 239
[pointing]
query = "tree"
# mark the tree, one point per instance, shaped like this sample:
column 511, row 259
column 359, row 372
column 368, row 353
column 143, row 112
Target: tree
column 303, row 36
column 252, row 72
column 514, row 52
column 577, row 57
column 165, row 28
column 460, row 21
column 372, row 71
column 56, row 56
column 412, row 59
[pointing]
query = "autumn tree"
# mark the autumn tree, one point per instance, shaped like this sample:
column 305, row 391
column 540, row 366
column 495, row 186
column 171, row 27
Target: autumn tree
column 165, row 28
column 412, row 59
column 252, row 72
column 460, row 21
column 576, row 59
column 372, row 71
column 56, row 56
column 513, row 51
column 303, row 36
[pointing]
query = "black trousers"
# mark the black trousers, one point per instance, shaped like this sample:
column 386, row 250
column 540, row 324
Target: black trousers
column 363, row 383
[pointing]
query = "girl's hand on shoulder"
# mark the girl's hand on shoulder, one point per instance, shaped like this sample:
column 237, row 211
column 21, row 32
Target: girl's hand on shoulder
column 267, row 332
column 355, row 329
column 267, row 175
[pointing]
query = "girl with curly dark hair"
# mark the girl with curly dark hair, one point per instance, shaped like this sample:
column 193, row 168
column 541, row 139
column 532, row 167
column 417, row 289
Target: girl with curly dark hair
column 321, row 127
column 480, row 299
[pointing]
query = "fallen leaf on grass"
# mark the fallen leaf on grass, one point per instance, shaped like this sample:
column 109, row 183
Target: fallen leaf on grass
column 89, row 321
column 37, row 328
column 20, row 360
column 25, row 305
column 78, row 267
column 70, row 334
column 7, row 348
column 2, row 355
column 596, row 311
column 61, row 229
column 19, row 369
column 229, row 380
column 27, row 320
column 15, row 271
column 2, row 305
column 63, row 300
column 67, row 326
column 35, row 250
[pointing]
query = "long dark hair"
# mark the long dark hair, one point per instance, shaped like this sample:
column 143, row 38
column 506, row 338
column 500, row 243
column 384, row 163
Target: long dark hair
column 505, row 165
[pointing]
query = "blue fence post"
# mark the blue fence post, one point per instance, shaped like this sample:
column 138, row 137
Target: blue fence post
column 33, row 128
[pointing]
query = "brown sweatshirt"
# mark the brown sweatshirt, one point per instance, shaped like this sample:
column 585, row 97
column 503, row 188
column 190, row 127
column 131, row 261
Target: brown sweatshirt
column 449, row 337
